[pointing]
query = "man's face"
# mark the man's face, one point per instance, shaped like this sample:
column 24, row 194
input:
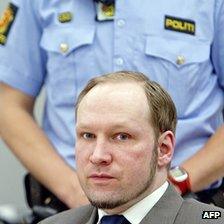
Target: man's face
column 115, row 149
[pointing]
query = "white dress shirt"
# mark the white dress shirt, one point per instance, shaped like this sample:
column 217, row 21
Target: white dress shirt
column 137, row 212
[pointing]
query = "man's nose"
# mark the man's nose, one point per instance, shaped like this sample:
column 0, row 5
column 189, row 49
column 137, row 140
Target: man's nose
column 101, row 153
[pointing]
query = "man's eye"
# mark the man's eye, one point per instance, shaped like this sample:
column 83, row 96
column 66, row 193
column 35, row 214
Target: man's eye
column 88, row 135
column 122, row 136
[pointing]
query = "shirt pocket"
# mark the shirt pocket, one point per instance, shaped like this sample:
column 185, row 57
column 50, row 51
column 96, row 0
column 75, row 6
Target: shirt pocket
column 65, row 40
column 178, row 52
column 182, row 63
column 64, row 48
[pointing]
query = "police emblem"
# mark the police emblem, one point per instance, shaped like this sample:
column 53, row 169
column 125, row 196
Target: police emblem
column 105, row 12
column 180, row 25
column 6, row 22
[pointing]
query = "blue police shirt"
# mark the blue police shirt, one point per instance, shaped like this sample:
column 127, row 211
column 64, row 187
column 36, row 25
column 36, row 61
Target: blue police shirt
column 179, row 44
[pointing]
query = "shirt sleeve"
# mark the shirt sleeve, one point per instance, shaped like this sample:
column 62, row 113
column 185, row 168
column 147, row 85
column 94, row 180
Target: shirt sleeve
column 22, row 61
column 218, row 43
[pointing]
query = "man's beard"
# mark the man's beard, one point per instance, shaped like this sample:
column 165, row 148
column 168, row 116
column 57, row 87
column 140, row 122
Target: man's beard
column 111, row 204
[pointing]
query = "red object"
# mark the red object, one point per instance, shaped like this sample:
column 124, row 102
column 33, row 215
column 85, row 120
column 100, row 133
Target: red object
column 180, row 178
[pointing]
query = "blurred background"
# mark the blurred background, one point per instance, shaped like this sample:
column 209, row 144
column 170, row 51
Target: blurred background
column 11, row 171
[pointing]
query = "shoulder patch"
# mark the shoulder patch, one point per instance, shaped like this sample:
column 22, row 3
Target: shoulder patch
column 179, row 25
column 6, row 22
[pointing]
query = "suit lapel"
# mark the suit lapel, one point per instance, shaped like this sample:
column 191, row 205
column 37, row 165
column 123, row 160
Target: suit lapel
column 93, row 218
column 163, row 212
column 166, row 209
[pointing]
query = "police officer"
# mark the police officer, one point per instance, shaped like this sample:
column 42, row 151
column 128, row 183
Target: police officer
column 62, row 44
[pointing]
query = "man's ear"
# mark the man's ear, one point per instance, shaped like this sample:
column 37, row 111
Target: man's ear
column 165, row 148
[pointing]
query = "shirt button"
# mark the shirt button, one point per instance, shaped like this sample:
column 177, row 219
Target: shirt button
column 119, row 61
column 120, row 22
column 180, row 60
column 64, row 47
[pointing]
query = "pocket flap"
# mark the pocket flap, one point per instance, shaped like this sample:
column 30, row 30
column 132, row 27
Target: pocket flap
column 65, row 40
column 178, row 52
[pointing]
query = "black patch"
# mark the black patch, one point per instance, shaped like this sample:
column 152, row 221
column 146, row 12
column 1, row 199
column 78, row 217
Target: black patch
column 179, row 25
column 211, row 214
column 6, row 22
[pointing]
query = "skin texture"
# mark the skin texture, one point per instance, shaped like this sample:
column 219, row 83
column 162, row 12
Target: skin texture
column 119, row 161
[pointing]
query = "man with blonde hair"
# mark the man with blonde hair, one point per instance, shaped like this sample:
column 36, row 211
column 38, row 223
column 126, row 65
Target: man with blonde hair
column 125, row 127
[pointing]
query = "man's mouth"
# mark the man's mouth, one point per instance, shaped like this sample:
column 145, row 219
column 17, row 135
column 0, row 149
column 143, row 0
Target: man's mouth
column 101, row 178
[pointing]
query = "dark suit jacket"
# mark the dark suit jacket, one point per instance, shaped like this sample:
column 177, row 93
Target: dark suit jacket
column 170, row 209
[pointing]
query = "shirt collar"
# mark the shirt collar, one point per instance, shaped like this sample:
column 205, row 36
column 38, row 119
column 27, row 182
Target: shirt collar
column 137, row 212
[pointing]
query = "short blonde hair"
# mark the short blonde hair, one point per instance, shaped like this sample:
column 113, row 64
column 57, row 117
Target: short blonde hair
column 162, row 111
